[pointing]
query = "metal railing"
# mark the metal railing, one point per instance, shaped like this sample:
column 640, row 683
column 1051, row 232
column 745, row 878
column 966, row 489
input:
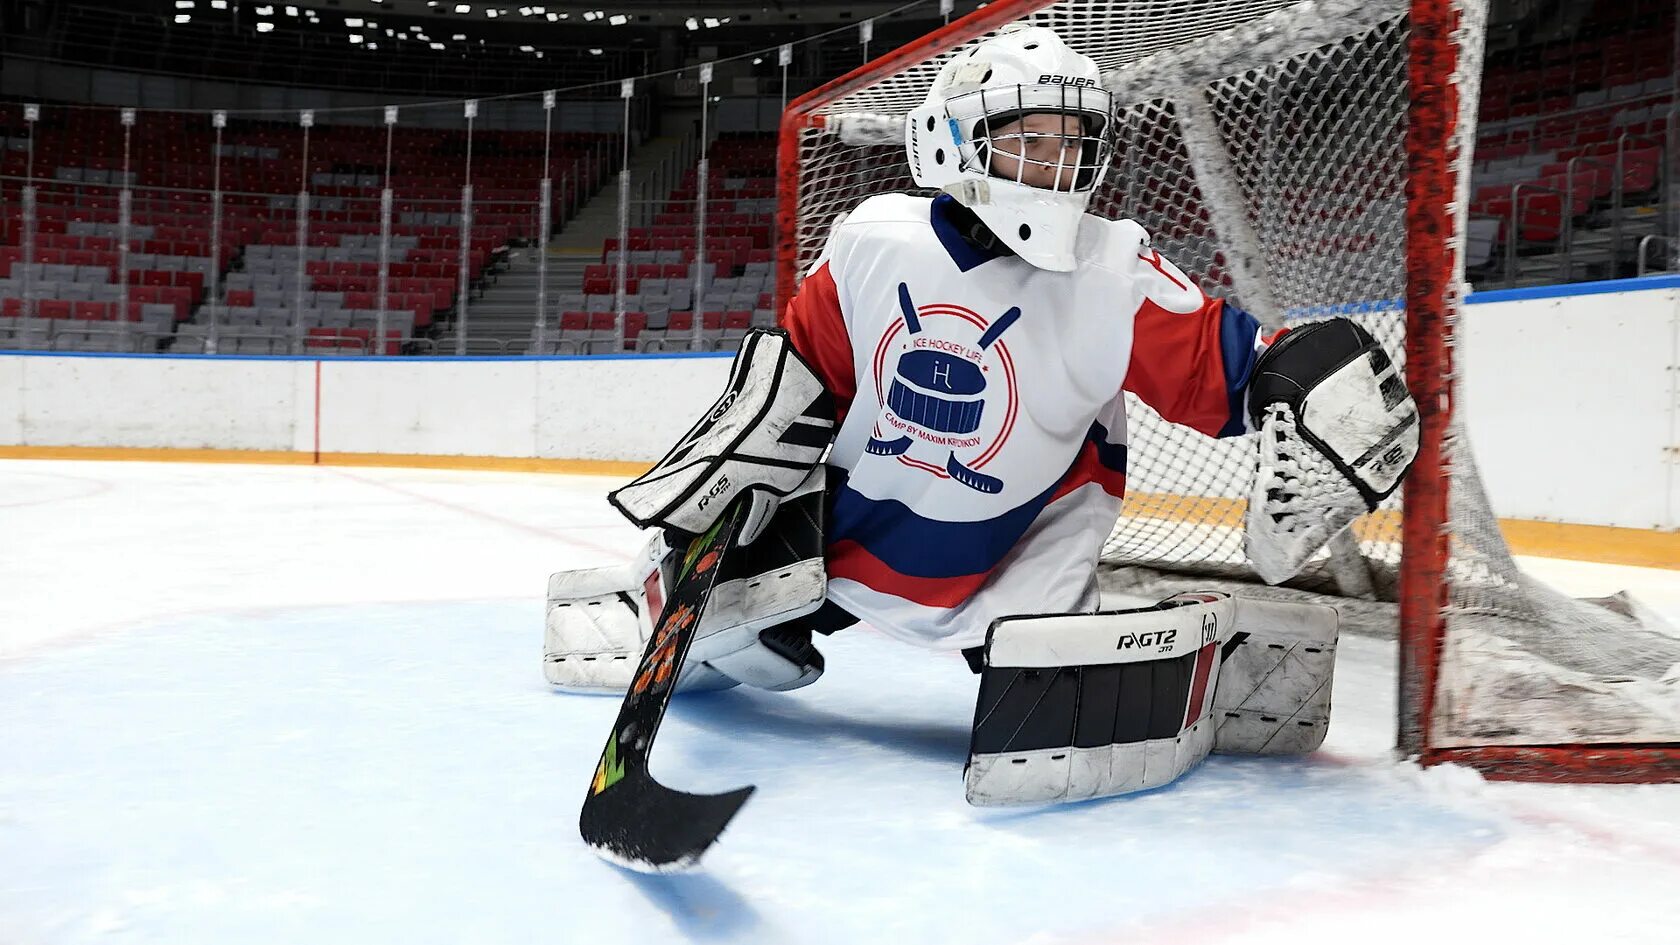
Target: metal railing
column 1566, row 243
column 1669, row 264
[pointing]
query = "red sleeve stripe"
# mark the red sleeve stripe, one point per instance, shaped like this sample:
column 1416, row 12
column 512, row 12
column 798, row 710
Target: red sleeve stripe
column 1178, row 366
column 817, row 329
column 1089, row 468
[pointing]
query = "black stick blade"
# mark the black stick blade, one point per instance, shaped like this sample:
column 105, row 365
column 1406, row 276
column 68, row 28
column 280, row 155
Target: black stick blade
column 645, row 826
column 629, row 818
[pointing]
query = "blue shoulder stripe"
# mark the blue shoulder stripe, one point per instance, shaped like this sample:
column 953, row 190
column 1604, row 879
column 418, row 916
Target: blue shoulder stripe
column 1236, row 349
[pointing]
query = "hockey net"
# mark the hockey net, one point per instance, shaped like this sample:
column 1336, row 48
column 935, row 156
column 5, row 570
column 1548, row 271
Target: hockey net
column 1264, row 144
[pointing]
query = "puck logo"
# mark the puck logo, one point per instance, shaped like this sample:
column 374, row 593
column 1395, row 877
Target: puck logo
column 1156, row 638
column 722, row 407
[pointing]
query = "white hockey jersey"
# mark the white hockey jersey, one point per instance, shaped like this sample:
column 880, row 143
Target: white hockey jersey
column 981, row 455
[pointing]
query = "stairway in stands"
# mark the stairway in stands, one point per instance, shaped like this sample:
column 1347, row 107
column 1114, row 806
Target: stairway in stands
column 502, row 319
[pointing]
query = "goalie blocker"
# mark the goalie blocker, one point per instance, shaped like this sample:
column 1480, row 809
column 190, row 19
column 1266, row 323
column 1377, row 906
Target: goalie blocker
column 1077, row 706
column 764, row 439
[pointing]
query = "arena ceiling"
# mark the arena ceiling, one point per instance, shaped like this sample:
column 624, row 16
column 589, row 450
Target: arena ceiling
column 608, row 12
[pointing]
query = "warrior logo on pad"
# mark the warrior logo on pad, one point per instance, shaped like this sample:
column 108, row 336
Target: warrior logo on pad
column 934, row 406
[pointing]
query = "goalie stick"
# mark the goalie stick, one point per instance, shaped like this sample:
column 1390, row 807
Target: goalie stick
column 628, row 818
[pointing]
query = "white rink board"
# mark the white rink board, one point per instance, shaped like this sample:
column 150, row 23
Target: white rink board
column 627, row 409
column 1570, row 402
column 622, row 408
column 448, row 408
column 154, row 402
column 11, row 399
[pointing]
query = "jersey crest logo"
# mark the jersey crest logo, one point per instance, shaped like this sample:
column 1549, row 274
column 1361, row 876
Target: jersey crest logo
column 935, row 405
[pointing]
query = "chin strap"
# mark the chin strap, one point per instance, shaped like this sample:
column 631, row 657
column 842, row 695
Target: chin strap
column 972, row 229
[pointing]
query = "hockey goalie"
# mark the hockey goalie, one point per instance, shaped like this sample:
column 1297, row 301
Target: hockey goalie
column 936, row 447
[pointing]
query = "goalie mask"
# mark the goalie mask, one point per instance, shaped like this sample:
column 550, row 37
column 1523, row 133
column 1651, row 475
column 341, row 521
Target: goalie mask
column 1019, row 130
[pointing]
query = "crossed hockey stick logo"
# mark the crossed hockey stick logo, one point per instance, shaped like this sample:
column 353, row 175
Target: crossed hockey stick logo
column 938, row 392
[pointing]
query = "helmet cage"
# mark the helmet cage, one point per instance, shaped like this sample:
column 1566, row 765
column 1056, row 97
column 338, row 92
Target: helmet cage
column 1079, row 164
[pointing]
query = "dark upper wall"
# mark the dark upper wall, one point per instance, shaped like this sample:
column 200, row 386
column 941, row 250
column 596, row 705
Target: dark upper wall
column 402, row 53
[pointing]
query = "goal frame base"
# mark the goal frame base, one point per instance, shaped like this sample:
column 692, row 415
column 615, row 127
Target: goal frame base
column 1573, row 764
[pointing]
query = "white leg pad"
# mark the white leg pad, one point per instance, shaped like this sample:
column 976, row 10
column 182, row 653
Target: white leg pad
column 1075, row 706
column 599, row 621
column 1050, row 724
column 1273, row 693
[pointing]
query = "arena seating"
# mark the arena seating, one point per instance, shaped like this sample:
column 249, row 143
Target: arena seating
column 1571, row 146
column 186, row 267
column 735, row 286
column 1572, row 169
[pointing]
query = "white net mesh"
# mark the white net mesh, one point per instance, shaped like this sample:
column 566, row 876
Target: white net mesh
column 1261, row 142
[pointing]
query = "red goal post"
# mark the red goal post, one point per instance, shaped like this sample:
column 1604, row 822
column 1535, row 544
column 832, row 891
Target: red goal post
column 1310, row 159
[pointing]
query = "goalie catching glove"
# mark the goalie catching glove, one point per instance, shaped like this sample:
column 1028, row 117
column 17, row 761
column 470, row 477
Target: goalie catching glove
column 1338, row 431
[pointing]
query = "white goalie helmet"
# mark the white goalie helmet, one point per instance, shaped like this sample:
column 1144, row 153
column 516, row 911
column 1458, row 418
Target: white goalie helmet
column 1018, row 129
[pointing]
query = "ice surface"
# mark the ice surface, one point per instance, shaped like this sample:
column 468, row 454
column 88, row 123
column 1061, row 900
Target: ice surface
column 275, row 704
